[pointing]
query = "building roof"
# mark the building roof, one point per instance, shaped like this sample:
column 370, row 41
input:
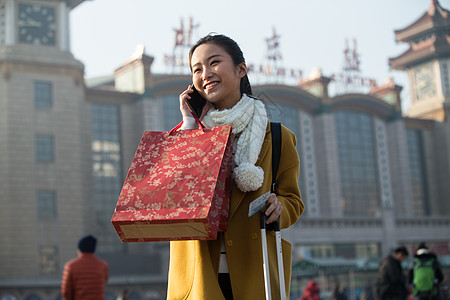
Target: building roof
column 435, row 18
column 75, row 3
column 428, row 38
column 368, row 104
column 435, row 47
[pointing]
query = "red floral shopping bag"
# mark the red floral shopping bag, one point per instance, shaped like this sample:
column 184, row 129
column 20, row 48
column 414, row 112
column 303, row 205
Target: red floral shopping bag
column 177, row 187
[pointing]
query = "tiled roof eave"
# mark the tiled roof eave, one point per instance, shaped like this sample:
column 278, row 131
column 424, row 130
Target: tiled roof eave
column 413, row 57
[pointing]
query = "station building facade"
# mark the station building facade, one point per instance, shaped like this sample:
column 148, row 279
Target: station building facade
column 372, row 177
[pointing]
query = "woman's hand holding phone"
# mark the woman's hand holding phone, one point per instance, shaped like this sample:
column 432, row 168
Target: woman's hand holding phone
column 184, row 108
column 192, row 103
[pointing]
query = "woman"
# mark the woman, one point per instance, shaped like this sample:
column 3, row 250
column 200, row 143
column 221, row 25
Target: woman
column 230, row 267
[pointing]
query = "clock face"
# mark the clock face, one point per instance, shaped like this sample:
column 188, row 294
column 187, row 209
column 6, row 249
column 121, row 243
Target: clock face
column 424, row 82
column 36, row 24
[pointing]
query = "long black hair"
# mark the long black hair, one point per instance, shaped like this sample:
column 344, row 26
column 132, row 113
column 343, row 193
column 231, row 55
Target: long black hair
column 232, row 48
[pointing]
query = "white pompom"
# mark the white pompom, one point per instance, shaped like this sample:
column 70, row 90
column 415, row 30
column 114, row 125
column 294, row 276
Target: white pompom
column 248, row 177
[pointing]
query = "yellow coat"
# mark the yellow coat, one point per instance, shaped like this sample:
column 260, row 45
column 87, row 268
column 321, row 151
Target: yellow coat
column 194, row 265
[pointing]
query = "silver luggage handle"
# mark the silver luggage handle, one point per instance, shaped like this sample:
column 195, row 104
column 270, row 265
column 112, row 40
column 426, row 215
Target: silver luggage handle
column 276, row 227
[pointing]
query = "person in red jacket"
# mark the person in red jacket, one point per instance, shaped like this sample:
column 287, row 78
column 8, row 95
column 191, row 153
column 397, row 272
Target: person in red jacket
column 311, row 291
column 85, row 277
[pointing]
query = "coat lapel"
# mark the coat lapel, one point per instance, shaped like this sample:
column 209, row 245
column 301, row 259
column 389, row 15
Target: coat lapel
column 237, row 195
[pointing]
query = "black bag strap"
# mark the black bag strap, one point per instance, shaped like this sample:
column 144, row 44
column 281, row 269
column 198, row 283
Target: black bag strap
column 275, row 129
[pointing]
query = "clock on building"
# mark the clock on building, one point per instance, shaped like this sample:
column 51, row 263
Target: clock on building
column 424, row 82
column 36, row 24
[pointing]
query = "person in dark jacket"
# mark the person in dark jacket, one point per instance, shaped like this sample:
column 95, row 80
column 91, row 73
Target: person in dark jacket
column 338, row 293
column 85, row 277
column 425, row 284
column 391, row 282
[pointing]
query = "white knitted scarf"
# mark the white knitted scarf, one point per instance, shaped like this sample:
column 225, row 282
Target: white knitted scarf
column 249, row 119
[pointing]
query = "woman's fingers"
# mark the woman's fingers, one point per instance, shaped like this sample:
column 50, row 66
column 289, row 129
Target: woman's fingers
column 274, row 209
column 183, row 106
column 205, row 110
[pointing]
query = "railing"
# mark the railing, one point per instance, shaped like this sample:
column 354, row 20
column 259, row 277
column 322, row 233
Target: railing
column 423, row 222
column 351, row 222
column 339, row 222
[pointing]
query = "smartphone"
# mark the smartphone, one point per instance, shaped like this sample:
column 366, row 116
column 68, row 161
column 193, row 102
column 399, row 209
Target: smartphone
column 196, row 103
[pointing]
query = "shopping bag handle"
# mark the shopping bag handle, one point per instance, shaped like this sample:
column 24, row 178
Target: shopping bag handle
column 200, row 124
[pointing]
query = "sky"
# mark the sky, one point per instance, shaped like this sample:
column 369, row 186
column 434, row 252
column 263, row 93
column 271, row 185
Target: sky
column 313, row 33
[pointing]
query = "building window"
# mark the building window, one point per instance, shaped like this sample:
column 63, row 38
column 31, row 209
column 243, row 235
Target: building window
column 357, row 162
column 171, row 110
column 439, row 248
column 285, row 114
column 446, row 79
column 49, row 260
column 289, row 116
column 343, row 250
column 107, row 171
column 367, row 250
column 419, row 197
column 42, row 94
column 44, row 148
column 2, row 23
column 46, row 204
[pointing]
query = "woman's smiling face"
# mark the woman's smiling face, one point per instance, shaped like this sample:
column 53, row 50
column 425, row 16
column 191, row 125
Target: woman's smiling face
column 215, row 75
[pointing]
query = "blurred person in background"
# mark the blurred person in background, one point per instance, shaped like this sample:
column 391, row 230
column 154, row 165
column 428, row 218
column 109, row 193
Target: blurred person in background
column 311, row 291
column 124, row 295
column 425, row 274
column 338, row 293
column 391, row 281
column 85, row 277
